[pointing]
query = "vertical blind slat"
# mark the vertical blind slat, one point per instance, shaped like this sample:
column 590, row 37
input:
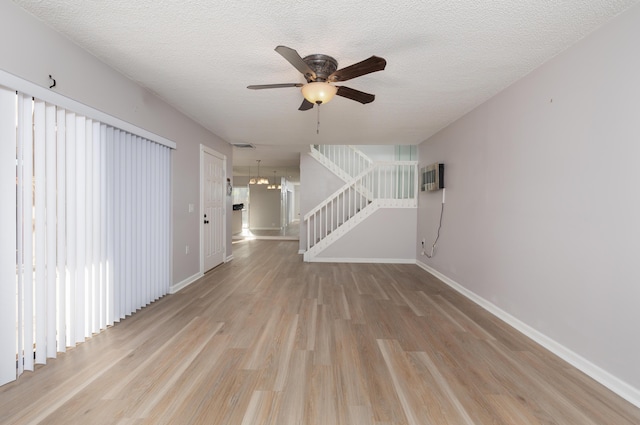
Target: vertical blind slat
column 71, row 228
column 109, row 239
column 88, row 228
column 61, row 231
column 27, row 234
column 166, row 211
column 138, row 263
column 97, row 219
column 122, row 262
column 19, row 230
column 146, row 248
column 117, row 211
column 128, row 222
column 8, row 221
column 51, row 254
column 39, row 230
column 81, row 245
column 119, row 264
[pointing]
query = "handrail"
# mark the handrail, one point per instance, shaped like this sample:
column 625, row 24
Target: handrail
column 337, row 192
column 345, row 158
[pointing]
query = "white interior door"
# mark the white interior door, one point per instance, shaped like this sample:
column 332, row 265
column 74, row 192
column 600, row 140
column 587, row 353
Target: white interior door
column 213, row 207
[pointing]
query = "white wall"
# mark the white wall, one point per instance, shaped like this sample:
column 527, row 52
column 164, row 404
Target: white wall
column 378, row 152
column 388, row 235
column 264, row 208
column 240, row 181
column 39, row 51
column 542, row 214
column 296, row 202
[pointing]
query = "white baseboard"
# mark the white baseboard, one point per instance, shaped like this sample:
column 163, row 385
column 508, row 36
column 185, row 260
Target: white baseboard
column 188, row 281
column 615, row 384
column 363, row 260
column 301, row 251
column 229, row 258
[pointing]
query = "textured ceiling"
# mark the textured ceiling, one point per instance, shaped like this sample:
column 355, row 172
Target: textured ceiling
column 443, row 59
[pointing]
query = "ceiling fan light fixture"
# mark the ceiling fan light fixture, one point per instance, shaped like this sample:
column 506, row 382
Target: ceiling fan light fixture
column 319, row 92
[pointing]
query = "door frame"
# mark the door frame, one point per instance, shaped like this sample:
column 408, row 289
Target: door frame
column 205, row 149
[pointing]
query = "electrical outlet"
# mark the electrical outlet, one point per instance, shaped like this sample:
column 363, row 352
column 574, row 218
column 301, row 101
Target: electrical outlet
column 186, row 249
column 191, row 208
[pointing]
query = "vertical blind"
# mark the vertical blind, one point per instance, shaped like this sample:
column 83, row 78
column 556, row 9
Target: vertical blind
column 85, row 216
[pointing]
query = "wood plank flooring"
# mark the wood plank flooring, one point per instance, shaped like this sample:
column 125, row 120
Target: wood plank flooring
column 268, row 339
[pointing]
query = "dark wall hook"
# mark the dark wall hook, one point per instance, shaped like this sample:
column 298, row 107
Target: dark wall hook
column 54, row 82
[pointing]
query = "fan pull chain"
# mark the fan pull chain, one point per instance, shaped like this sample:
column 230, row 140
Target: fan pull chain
column 318, row 127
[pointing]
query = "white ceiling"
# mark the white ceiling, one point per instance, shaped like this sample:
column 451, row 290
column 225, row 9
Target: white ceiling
column 443, row 59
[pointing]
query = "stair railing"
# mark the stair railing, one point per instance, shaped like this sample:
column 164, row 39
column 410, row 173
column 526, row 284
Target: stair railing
column 396, row 183
column 384, row 184
column 344, row 160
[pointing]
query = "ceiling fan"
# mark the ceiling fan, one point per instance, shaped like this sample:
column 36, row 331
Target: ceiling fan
column 322, row 70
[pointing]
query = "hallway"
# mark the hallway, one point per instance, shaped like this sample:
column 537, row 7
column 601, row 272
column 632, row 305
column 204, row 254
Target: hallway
column 288, row 233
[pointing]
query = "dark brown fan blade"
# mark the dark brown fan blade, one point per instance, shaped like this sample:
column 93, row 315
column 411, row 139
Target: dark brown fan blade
column 357, row 95
column 305, row 106
column 274, row 86
column 294, row 59
column 367, row 66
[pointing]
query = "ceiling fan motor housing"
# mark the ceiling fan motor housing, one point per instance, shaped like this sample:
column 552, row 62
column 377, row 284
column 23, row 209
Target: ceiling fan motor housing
column 322, row 65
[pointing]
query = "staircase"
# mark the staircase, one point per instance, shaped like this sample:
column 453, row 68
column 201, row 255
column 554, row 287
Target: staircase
column 368, row 186
column 345, row 161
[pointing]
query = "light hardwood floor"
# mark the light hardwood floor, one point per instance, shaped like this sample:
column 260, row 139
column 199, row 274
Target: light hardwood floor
column 267, row 339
